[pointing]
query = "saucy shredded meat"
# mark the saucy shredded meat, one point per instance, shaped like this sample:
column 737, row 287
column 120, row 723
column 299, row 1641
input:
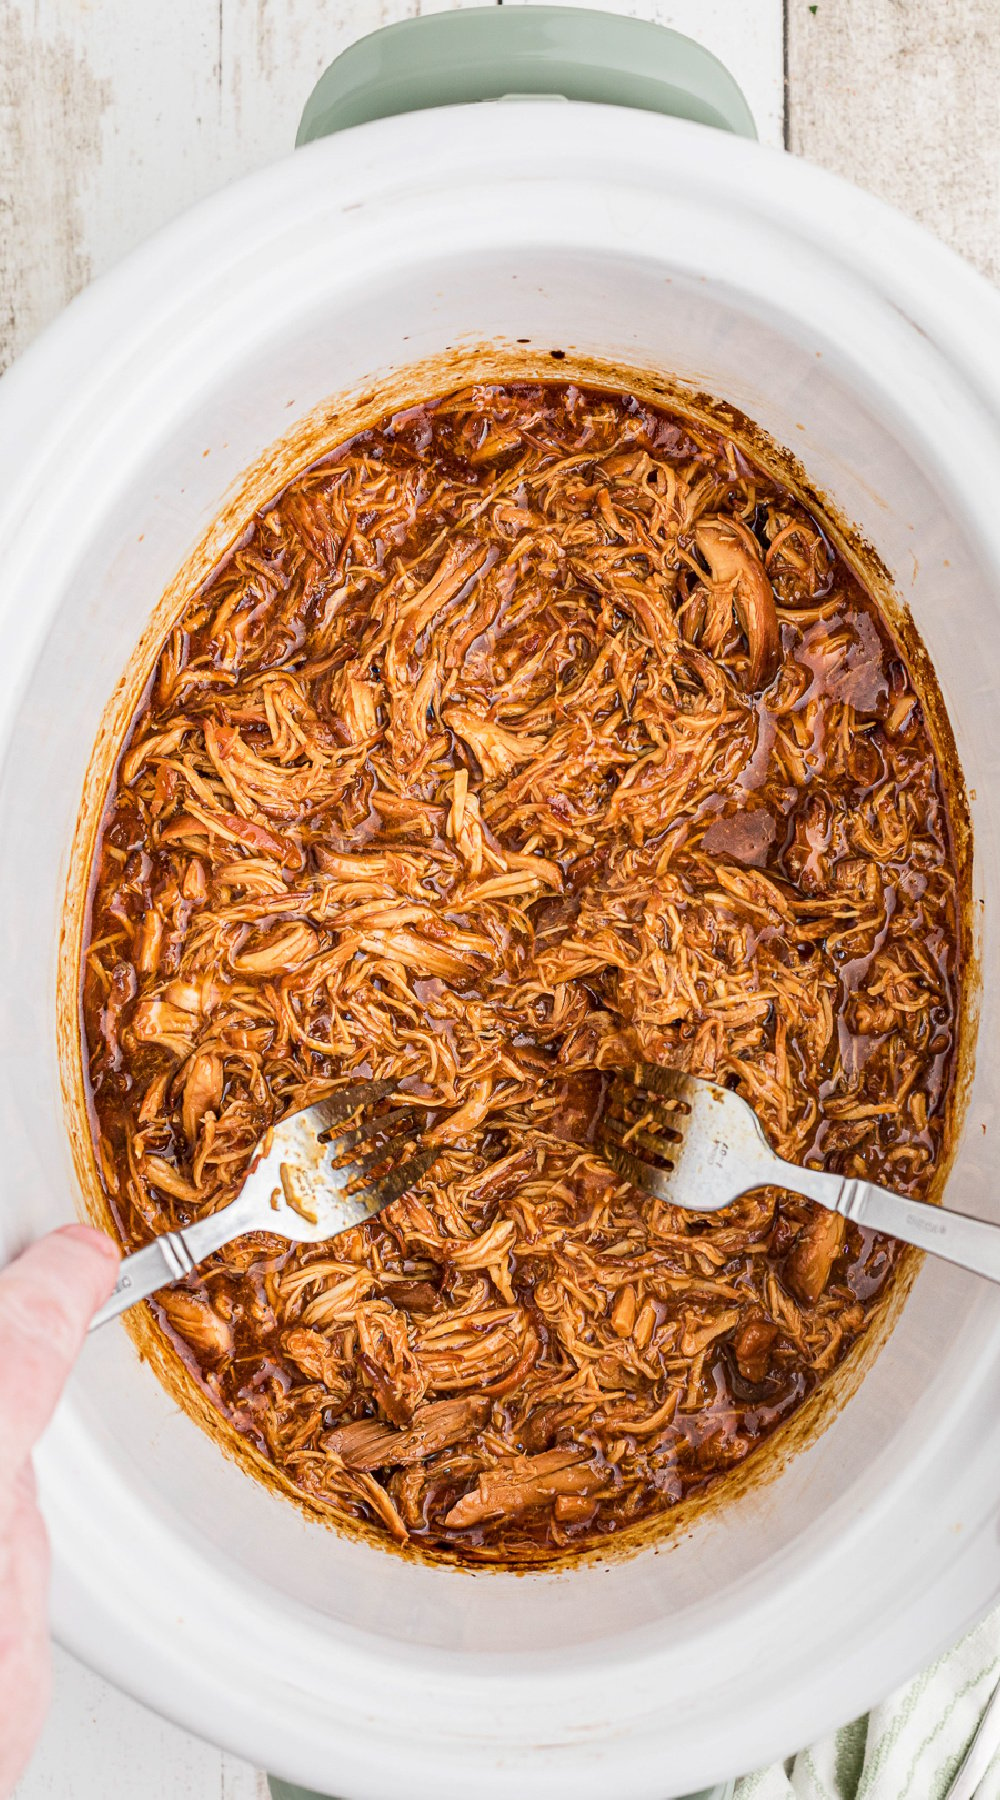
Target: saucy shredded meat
column 532, row 733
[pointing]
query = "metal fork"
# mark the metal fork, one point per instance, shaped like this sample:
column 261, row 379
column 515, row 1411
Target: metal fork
column 300, row 1187
column 700, row 1146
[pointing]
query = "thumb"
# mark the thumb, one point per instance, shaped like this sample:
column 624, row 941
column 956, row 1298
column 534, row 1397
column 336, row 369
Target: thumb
column 48, row 1297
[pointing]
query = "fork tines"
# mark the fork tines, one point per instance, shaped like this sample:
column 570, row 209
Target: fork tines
column 349, row 1100
column 669, row 1084
column 395, row 1181
column 404, row 1127
column 643, row 1122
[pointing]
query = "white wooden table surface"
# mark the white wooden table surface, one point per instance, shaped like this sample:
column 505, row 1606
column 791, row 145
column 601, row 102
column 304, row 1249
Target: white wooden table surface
column 116, row 114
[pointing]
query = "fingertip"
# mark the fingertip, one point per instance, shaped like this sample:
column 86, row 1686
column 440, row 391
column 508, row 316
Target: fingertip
column 93, row 1239
column 101, row 1258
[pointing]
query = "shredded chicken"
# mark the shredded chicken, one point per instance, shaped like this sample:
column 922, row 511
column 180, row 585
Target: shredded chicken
column 738, row 580
column 531, row 733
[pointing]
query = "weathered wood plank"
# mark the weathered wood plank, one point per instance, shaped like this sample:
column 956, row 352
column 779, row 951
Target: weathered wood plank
column 106, row 132
column 114, row 119
column 904, row 99
column 99, row 1745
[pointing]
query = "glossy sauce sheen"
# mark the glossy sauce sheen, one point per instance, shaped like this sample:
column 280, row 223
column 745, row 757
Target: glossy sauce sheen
column 456, row 769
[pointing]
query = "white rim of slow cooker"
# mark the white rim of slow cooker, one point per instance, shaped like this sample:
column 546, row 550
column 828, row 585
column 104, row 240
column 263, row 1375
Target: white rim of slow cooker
column 134, row 348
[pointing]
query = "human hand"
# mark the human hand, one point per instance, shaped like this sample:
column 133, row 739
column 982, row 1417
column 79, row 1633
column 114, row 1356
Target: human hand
column 47, row 1298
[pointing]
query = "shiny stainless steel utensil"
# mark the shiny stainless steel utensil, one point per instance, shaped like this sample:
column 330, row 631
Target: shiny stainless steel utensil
column 700, row 1146
column 316, row 1174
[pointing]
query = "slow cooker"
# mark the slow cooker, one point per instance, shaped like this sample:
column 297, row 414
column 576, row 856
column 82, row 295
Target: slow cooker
column 595, row 228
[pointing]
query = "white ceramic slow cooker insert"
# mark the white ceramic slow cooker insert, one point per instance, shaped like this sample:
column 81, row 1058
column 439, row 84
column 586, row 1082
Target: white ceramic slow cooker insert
column 872, row 352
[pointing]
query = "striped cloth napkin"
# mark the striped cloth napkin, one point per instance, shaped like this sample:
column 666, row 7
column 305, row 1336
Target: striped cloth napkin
column 909, row 1748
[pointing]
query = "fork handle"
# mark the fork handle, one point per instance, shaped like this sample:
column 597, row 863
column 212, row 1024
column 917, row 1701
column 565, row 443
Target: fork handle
column 971, row 1243
column 173, row 1255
